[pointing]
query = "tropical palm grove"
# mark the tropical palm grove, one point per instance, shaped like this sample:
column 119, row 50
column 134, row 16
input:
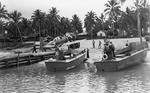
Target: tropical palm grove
column 112, row 21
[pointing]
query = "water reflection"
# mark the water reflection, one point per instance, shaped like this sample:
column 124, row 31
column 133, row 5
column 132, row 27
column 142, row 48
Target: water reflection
column 132, row 80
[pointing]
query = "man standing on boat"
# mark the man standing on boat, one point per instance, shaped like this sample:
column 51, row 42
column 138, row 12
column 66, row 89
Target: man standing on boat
column 112, row 48
column 59, row 54
column 107, row 51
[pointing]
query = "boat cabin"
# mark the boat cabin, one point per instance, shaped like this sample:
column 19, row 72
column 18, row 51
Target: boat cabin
column 70, row 47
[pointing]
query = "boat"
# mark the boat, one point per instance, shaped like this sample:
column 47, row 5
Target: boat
column 70, row 62
column 56, row 41
column 134, row 54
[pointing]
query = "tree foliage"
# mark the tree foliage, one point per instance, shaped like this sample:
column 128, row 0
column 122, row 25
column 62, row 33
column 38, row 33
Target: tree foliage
column 76, row 24
column 111, row 21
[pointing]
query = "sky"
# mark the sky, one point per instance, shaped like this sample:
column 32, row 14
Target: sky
column 67, row 8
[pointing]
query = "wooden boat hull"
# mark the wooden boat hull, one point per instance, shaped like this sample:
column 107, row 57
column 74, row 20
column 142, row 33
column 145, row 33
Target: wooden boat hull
column 59, row 65
column 121, row 63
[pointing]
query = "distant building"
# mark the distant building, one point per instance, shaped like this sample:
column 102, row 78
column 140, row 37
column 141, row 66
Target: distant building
column 101, row 34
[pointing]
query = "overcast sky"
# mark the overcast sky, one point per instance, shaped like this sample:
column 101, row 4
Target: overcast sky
column 66, row 8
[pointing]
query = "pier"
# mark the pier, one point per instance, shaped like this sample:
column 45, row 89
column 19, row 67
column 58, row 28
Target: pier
column 19, row 58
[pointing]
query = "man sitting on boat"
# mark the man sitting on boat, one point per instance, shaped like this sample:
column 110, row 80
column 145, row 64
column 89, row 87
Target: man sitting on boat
column 70, row 52
column 59, row 54
column 106, row 51
column 109, row 51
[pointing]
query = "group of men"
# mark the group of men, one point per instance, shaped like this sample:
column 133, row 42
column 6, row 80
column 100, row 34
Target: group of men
column 109, row 49
column 59, row 53
column 99, row 44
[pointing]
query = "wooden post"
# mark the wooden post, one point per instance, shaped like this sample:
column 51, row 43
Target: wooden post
column 18, row 52
column 42, row 57
column 29, row 59
column 6, row 63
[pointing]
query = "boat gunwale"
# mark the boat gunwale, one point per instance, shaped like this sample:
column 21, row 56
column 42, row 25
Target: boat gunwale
column 66, row 60
column 121, row 59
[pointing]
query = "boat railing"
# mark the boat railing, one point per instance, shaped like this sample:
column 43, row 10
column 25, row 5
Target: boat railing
column 132, row 48
column 136, row 46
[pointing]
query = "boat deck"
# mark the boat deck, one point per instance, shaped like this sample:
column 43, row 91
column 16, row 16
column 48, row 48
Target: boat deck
column 96, row 56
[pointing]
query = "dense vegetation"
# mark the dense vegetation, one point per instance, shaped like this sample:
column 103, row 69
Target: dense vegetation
column 112, row 21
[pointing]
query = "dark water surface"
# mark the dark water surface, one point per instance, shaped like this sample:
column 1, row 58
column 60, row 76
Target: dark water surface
column 36, row 79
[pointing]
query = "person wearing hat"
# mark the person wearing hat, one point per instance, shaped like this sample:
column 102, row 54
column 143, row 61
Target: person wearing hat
column 59, row 54
column 112, row 49
column 106, row 49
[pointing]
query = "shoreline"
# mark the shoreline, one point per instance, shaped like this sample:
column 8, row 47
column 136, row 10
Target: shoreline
column 88, row 44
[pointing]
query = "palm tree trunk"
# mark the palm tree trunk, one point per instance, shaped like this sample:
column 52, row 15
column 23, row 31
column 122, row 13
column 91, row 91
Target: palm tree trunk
column 34, row 35
column 40, row 39
column 113, row 29
column 139, row 29
column 19, row 33
column 149, row 21
column 54, row 30
column 4, row 36
column 39, row 30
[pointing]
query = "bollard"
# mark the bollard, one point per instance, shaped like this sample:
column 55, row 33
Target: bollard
column 87, row 53
column 18, row 59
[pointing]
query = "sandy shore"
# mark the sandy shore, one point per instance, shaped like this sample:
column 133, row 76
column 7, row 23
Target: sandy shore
column 119, row 43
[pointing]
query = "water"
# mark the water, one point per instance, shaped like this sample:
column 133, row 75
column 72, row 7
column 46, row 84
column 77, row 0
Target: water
column 36, row 79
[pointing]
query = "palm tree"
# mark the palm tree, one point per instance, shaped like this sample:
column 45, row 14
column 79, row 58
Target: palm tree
column 38, row 19
column 65, row 25
column 76, row 23
column 138, row 6
column 15, row 17
column 102, row 18
column 3, row 12
column 122, row 1
column 54, row 21
column 144, row 15
column 127, row 22
column 98, row 25
column 113, row 11
column 89, row 22
column 25, row 26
